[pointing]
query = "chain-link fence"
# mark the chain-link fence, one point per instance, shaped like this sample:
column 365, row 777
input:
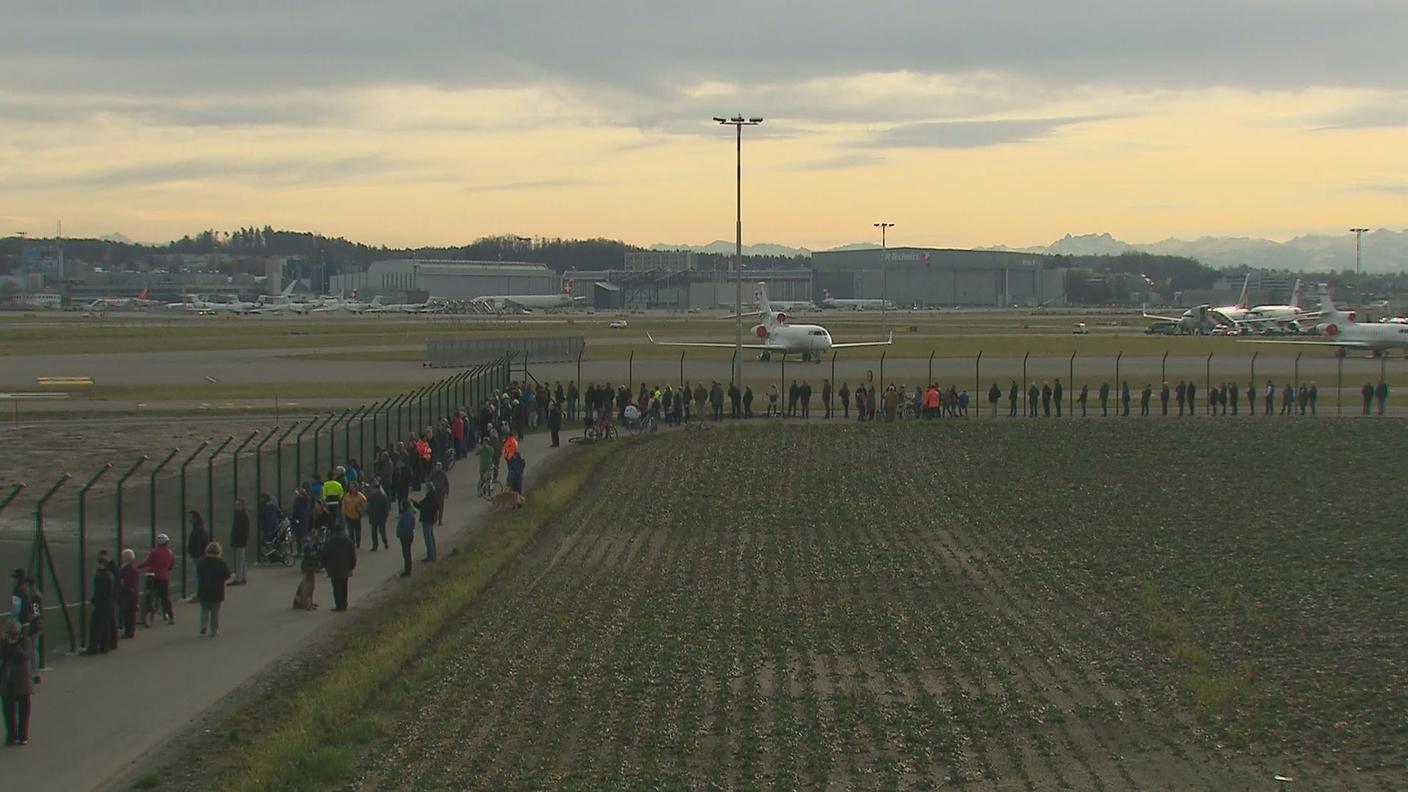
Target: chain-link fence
column 458, row 353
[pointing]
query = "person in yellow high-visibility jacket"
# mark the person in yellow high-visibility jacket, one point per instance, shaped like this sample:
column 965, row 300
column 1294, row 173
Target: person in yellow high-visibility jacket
column 354, row 507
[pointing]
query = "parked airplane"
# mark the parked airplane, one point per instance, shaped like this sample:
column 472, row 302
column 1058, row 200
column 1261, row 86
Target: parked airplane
column 1283, row 314
column 429, row 306
column 777, row 335
column 508, row 302
column 1343, row 330
column 196, row 304
column 112, row 303
column 1197, row 320
column 827, row 301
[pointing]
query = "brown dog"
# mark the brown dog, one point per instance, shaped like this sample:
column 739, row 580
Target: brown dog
column 508, row 499
column 303, row 597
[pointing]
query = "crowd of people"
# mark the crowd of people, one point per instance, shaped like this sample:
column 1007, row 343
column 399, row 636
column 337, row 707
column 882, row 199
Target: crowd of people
column 675, row 405
column 322, row 529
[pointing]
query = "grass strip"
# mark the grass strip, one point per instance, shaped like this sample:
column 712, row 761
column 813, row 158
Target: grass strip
column 314, row 746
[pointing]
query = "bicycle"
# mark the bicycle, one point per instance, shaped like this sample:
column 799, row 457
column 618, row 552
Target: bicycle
column 489, row 487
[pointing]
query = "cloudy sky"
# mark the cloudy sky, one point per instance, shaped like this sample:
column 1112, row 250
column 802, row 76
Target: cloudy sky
column 432, row 122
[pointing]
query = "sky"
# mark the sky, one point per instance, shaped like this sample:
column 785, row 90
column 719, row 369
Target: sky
column 430, row 122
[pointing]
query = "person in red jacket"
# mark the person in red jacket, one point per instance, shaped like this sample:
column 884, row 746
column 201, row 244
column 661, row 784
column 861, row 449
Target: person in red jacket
column 510, row 447
column 160, row 561
column 457, row 434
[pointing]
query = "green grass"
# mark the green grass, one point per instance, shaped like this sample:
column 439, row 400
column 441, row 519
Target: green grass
column 329, row 725
column 1017, row 603
column 947, row 334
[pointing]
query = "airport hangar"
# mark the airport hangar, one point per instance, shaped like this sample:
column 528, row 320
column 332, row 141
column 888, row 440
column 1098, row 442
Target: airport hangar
column 417, row 279
column 907, row 276
column 669, row 280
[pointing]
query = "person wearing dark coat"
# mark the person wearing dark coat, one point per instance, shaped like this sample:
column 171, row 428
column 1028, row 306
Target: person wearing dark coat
column 805, row 394
column 16, row 683
column 1045, row 399
column 1012, row 395
column 994, row 396
column 554, row 422
column 1163, row 399
column 735, row 396
column 748, row 401
column 826, row 396
column 1033, row 394
column 845, row 395
column 196, row 540
column 1056, row 391
column 1192, row 398
column 378, row 512
column 1104, row 398
column 211, row 574
column 102, row 631
column 515, row 473
column 429, row 510
column 339, row 559
column 239, row 541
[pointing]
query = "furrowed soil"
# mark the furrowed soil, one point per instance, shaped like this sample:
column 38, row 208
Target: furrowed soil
column 1004, row 605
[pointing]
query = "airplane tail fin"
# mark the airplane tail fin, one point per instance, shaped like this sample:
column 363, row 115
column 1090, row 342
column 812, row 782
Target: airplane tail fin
column 142, row 295
column 1295, row 294
column 376, row 301
column 1242, row 300
column 288, row 290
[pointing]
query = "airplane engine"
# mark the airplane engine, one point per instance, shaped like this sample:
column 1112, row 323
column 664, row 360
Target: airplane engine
column 760, row 331
column 781, row 317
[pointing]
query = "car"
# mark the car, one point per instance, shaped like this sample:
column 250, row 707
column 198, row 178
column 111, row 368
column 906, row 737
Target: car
column 618, row 324
column 1080, row 329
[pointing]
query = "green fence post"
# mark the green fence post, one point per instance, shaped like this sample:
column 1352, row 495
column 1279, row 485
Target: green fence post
column 210, row 487
column 151, row 492
column 83, row 548
column 235, row 471
column 39, row 554
column 181, row 518
column 118, row 512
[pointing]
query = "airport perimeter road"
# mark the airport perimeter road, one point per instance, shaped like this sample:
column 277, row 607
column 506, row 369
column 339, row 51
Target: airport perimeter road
column 96, row 717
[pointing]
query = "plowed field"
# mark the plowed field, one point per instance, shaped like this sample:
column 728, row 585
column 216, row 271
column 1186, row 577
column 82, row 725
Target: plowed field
column 1033, row 605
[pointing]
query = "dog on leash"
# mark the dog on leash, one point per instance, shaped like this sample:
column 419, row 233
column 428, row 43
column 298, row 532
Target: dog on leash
column 303, row 597
column 508, row 499
column 147, row 605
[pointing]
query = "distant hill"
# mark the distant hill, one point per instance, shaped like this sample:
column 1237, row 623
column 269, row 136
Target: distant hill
column 1384, row 251
column 725, row 248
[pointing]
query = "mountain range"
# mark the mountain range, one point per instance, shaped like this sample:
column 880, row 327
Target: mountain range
column 1384, row 250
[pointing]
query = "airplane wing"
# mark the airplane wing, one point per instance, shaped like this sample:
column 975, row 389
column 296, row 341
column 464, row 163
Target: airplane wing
column 853, row 344
column 1148, row 315
column 1345, row 344
column 714, row 344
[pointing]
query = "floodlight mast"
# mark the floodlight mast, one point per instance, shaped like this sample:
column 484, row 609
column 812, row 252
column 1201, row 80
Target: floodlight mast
column 1358, row 237
column 884, row 271
column 738, row 122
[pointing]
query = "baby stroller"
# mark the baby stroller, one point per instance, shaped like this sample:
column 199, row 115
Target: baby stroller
column 278, row 549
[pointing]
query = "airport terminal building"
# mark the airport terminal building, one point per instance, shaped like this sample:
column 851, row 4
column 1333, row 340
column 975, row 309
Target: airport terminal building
column 935, row 277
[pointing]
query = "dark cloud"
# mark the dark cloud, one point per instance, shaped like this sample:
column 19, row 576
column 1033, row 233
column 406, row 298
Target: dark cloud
column 650, row 48
column 1390, row 113
column 968, row 134
column 192, row 170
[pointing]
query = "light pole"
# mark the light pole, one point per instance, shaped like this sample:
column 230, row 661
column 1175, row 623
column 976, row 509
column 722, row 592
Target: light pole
column 1358, row 237
column 738, row 122
column 884, row 270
